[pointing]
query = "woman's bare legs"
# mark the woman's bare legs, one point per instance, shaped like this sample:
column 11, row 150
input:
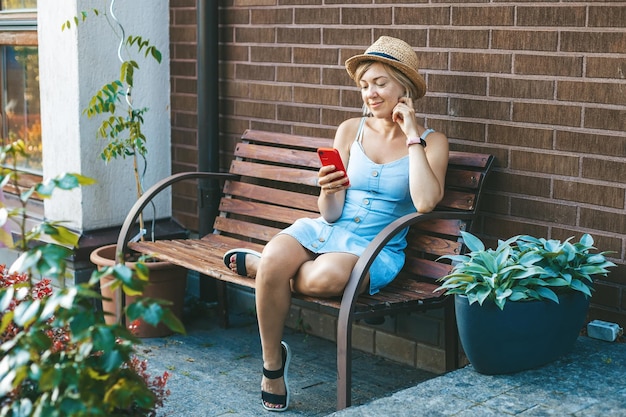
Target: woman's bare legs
column 280, row 261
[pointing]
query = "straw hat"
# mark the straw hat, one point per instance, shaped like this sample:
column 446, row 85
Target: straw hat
column 394, row 52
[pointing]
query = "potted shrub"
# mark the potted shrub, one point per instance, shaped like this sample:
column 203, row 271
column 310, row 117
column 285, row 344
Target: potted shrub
column 121, row 127
column 57, row 355
column 523, row 304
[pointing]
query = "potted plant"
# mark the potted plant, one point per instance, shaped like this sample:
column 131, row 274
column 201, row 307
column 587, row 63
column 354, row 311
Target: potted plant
column 121, row 127
column 523, row 304
column 57, row 355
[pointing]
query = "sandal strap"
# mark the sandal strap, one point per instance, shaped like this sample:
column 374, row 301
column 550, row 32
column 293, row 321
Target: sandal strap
column 274, row 374
column 275, row 399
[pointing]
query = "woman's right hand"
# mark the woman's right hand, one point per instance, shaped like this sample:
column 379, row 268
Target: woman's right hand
column 332, row 181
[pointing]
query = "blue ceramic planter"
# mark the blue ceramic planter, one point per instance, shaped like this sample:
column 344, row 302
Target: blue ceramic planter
column 525, row 335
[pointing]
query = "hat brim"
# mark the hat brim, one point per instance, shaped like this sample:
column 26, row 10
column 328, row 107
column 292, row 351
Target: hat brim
column 420, row 85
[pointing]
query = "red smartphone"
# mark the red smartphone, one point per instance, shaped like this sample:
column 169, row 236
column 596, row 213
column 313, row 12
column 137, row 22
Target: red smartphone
column 330, row 156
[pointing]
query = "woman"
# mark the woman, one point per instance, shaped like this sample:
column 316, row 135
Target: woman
column 391, row 173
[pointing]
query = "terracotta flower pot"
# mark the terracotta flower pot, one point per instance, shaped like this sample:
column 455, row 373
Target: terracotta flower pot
column 166, row 282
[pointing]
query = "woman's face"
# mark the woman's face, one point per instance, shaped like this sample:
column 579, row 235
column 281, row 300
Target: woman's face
column 379, row 91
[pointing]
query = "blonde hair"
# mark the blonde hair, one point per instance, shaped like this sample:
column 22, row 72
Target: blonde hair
column 395, row 74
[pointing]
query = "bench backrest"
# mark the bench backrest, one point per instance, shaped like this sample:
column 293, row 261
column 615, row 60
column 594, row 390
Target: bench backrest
column 278, row 184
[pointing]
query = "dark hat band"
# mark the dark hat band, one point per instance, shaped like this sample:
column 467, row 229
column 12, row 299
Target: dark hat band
column 383, row 55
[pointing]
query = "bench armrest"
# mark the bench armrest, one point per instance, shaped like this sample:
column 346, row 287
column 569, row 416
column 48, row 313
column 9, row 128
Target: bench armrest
column 149, row 195
column 351, row 293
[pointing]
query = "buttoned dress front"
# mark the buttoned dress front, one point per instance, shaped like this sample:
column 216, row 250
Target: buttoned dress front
column 378, row 195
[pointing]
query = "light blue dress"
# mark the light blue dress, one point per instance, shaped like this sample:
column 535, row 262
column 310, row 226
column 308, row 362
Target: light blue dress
column 378, row 194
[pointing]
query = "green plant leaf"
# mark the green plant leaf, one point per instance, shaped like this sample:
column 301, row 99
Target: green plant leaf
column 472, row 242
column 545, row 292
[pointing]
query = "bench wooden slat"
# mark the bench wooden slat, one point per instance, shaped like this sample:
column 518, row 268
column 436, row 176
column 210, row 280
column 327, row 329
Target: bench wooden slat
column 268, row 194
column 263, row 211
column 283, row 139
column 278, row 155
column 274, row 173
column 247, row 229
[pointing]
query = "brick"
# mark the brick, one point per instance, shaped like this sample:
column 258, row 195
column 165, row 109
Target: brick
column 543, row 113
column 255, row 72
column 431, row 16
column 606, row 119
column 520, row 136
column 606, row 170
column 317, row 15
column 395, row 348
column 299, row 35
column 333, row 117
column 430, row 358
column 605, row 67
column 420, row 328
column 551, row 16
column 247, row 3
column 454, row 38
column 234, row 16
column 255, row 35
column 520, row 184
column 494, row 204
column 432, row 105
column 271, row 16
column 504, row 228
column 252, row 109
column 565, row 66
column 366, row 16
column 363, row 338
column 482, row 109
column 544, row 163
column 416, row 37
column 322, row 96
column 183, row 34
column 521, row 88
column 338, row 77
column 185, row 85
column 606, row 295
column 357, row 37
column 432, row 60
column 270, row 92
column 602, row 220
column 321, row 325
column 459, row 129
column 594, row 42
column 592, row 92
column 543, row 211
column 183, row 68
column 270, row 54
column 612, row 197
column 589, row 143
column 184, row 51
column 315, row 56
column 607, row 16
column 234, row 53
column 483, row 16
column 480, row 62
column 525, row 40
column 308, row 75
column 459, row 84
column 298, row 114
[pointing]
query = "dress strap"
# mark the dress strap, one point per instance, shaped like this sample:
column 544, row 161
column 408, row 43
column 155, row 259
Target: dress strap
column 359, row 133
column 426, row 133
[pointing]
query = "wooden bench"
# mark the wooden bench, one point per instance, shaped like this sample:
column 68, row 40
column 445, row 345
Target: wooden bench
column 271, row 183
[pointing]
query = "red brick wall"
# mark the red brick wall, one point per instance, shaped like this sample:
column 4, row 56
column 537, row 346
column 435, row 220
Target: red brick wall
column 540, row 84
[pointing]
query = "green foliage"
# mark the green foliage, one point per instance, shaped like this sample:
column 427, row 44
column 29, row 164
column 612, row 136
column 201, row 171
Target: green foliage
column 524, row 268
column 58, row 356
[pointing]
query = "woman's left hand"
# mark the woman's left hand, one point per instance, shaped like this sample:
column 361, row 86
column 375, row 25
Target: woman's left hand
column 404, row 115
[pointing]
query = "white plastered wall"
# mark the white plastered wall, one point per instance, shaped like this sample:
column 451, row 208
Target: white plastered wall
column 73, row 65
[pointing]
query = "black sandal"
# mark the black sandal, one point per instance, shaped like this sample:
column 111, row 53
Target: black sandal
column 269, row 398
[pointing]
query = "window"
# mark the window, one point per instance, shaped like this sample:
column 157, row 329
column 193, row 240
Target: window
column 19, row 79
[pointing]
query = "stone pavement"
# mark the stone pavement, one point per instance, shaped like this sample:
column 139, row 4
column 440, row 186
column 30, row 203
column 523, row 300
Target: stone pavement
column 216, row 372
